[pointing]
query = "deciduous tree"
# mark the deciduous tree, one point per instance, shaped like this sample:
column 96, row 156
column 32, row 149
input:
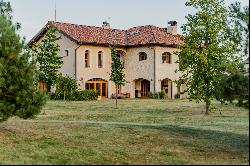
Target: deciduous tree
column 116, row 75
column 205, row 53
column 46, row 54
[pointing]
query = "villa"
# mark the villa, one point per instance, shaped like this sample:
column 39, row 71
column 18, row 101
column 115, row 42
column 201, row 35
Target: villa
column 147, row 53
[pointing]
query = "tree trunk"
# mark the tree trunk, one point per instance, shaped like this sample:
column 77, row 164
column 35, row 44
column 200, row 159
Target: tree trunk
column 64, row 95
column 116, row 97
column 208, row 102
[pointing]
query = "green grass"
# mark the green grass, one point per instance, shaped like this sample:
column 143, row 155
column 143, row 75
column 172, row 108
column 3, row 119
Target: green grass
column 174, row 132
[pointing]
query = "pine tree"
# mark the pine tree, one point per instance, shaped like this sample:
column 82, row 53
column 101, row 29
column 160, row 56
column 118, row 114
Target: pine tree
column 18, row 86
column 46, row 54
column 116, row 74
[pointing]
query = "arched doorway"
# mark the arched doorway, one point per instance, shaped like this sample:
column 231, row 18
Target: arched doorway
column 166, row 86
column 99, row 85
column 145, row 88
column 142, row 87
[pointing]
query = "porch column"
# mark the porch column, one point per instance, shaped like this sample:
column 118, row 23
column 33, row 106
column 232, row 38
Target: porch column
column 109, row 89
column 174, row 89
column 170, row 86
column 132, row 89
column 157, row 85
column 152, row 86
column 83, row 85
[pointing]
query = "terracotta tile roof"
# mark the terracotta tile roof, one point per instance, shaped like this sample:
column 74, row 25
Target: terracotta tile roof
column 141, row 35
column 144, row 35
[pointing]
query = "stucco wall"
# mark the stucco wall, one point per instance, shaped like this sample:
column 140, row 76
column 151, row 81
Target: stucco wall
column 166, row 70
column 134, row 69
column 69, row 61
column 84, row 74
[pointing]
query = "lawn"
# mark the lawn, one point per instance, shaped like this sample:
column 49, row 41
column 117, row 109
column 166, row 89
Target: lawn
column 139, row 132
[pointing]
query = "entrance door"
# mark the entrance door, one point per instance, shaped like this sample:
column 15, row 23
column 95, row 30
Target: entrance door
column 166, row 86
column 145, row 88
column 98, row 85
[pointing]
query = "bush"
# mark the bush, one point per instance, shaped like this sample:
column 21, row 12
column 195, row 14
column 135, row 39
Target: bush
column 157, row 95
column 85, row 95
column 161, row 94
column 78, row 95
column 65, row 88
column 151, row 95
column 177, row 96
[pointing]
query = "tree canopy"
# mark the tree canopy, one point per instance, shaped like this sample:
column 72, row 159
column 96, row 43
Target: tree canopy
column 238, row 28
column 46, row 54
column 116, row 75
column 206, row 52
column 18, row 83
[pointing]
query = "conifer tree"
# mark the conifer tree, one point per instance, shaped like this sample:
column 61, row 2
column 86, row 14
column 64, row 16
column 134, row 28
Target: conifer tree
column 18, row 86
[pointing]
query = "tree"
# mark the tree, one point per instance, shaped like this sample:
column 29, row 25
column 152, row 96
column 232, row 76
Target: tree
column 205, row 53
column 116, row 74
column 238, row 28
column 65, row 86
column 233, row 85
column 46, row 53
column 18, row 86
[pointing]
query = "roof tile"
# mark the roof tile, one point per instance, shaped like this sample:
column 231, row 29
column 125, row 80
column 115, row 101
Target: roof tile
column 141, row 35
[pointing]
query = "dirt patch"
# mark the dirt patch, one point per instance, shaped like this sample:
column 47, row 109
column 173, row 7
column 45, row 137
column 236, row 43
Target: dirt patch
column 4, row 131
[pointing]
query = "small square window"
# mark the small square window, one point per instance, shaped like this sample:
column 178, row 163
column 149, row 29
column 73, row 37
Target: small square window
column 142, row 56
column 66, row 53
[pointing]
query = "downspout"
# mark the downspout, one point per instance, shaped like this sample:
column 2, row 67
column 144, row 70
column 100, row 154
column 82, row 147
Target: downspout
column 154, row 69
column 154, row 54
column 76, row 61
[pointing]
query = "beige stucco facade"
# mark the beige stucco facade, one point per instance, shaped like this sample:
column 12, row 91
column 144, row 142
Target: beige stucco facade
column 152, row 69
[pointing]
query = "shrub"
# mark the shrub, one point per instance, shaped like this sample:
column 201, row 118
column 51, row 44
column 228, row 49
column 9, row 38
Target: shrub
column 177, row 96
column 157, row 95
column 65, row 86
column 78, row 95
column 151, row 95
column 161, row 94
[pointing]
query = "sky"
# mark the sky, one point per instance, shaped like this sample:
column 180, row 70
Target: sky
column 121, row 14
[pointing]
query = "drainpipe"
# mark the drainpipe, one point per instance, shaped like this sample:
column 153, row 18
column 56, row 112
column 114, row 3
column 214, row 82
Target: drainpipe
column 76, row 62
column 154, row 69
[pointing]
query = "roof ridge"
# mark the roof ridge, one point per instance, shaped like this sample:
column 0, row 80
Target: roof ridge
column 149, row 25
column 140, row 35
column 84, row 25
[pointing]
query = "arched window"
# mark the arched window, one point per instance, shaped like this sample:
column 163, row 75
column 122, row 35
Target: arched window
column 142, row 56
column 166, row 57
column 87, row 59
column 100, row 59
column 121, row 55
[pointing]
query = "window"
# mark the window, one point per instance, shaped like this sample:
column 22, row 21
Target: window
column 118, row 89
column 121, row 59
column 66, row 53
column 142, row 56
column 100, row 59
column 166, row 57
column 87, row 58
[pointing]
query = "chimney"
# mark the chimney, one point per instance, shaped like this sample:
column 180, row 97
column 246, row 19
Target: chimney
column 172, row 28
column 105, row 25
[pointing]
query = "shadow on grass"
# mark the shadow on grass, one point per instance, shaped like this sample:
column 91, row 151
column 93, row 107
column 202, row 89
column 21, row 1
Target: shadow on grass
column 233, row 143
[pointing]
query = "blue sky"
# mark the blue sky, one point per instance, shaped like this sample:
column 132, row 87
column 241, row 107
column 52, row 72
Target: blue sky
column 34, row 14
